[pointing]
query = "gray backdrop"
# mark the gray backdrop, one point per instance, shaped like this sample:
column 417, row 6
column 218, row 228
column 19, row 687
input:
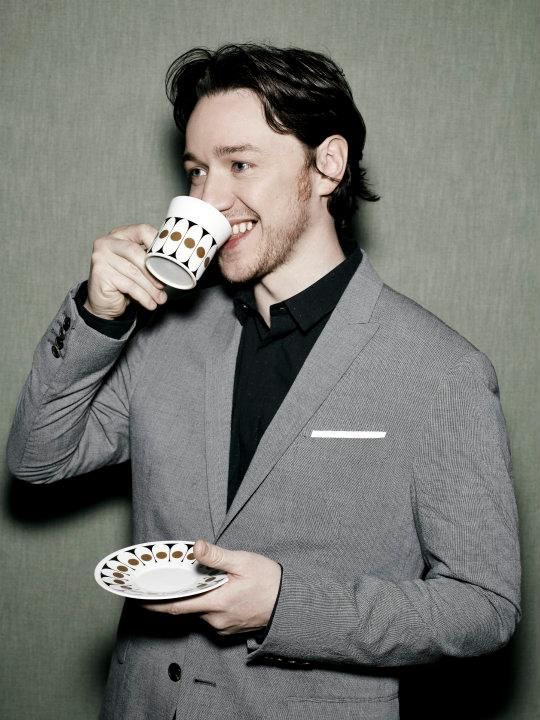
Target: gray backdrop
column 450, row 96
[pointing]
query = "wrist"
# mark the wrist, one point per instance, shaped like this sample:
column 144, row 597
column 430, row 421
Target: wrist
column 87, row 306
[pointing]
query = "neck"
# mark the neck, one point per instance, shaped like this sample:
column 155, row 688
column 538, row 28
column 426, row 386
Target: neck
column 312, row 259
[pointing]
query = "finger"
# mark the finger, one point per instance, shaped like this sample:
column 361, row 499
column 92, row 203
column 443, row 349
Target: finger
column 217, row 557
column 134, row 253
column 142, row 234
column 133, row 272
column 214, row 601
column 129, row 287
column 186, row 606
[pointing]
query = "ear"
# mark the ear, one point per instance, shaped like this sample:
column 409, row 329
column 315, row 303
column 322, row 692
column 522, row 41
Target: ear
column 331, row 160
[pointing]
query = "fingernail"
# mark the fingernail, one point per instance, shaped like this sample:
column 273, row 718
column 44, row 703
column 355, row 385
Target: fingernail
column 162, row 296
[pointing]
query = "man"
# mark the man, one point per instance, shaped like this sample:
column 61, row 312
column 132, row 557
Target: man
column 342, row 452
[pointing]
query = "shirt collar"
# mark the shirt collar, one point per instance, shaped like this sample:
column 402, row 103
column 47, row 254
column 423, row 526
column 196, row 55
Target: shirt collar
column 310, row 305
column 320, row 299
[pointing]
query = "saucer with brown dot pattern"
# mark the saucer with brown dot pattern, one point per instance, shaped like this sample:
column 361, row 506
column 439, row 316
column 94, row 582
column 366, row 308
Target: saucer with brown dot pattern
column 158, row 570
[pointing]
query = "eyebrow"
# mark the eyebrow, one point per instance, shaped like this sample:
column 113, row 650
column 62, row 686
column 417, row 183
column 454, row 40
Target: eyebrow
column 224, row 150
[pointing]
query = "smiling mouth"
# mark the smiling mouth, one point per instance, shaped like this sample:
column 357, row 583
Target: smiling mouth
column 241, row 228
column 239, row 232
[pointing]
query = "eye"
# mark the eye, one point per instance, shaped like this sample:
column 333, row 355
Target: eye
column 194, row 173
column 245, row 164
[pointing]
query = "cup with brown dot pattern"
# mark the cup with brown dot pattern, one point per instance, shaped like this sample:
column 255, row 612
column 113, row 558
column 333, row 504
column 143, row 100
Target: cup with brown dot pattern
column 189, row 238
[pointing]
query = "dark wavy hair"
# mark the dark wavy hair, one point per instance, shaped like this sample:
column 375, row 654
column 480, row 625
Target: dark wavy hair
column 303, row 93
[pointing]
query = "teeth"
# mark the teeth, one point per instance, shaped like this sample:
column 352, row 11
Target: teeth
column 242, row 227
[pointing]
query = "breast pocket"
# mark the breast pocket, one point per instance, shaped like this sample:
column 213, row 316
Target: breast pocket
column 349, row 434
column 353, row 487
column 346, row 447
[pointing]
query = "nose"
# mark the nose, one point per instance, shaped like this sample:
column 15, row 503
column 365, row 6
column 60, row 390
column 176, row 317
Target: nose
column 217, row 192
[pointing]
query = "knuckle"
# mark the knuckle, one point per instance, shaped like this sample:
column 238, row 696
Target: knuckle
column 122, row 283
column 132, row 287
column 99, row 243
column 98, row 266
column 134, row 251
column 219, row 623
column 118, row 229
column 216, row 554
column 133, row 270
column 174, row 609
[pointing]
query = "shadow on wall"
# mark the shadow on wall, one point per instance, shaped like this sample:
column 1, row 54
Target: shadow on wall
column 29, row 503
column 483, row 688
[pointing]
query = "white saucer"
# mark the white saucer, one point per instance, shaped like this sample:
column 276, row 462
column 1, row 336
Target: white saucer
column 158, row 570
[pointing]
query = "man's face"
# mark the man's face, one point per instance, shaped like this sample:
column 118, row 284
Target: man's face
column 252, row 174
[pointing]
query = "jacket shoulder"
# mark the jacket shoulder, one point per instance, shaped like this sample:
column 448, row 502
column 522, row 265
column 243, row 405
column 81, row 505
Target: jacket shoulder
column 426, row 338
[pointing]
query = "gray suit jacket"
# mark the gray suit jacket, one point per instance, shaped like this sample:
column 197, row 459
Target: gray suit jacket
column 396, row 550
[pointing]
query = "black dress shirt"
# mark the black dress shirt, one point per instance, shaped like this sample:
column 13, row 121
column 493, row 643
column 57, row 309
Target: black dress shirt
column 269, row 358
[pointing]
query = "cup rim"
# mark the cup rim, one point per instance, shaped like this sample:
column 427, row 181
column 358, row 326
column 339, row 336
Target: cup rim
column 202, row 213
column 176, row 262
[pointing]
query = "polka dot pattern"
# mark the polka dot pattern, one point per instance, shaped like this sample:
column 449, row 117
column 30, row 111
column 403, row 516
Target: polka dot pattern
column 135, row 571
column 186, row 243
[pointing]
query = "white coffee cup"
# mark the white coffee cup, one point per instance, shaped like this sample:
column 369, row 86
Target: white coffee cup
column 186, row 242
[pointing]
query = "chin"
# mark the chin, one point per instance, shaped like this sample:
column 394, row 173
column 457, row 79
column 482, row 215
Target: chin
column 237, row 273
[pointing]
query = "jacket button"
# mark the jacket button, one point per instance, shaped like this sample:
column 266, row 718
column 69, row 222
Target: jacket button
column 55, row 351
column 67, row 323
column 175, row 672
column 59, row 343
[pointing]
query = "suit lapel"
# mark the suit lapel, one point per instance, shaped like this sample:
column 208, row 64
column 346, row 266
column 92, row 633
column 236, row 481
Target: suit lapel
column 220, row 369
column 345, row 335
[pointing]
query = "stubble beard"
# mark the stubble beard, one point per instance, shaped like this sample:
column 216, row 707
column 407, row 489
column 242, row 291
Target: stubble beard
column 280, row 242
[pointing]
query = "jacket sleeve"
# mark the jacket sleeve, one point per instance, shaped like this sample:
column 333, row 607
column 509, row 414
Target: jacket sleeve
column 72, row 415
column 468, row 601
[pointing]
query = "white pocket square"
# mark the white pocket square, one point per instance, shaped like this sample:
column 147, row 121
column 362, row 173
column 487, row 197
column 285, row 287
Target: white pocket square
column 347, row 434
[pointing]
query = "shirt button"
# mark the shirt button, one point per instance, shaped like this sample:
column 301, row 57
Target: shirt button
column 55, row 351
column 67, row 323
column 175, row 672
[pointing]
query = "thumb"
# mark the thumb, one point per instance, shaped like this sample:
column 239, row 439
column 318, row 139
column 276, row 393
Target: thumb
column 216, row 557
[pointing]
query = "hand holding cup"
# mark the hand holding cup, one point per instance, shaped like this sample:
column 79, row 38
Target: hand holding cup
column 118, row 273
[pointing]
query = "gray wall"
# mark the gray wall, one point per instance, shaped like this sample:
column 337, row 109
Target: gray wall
column 449, row 91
